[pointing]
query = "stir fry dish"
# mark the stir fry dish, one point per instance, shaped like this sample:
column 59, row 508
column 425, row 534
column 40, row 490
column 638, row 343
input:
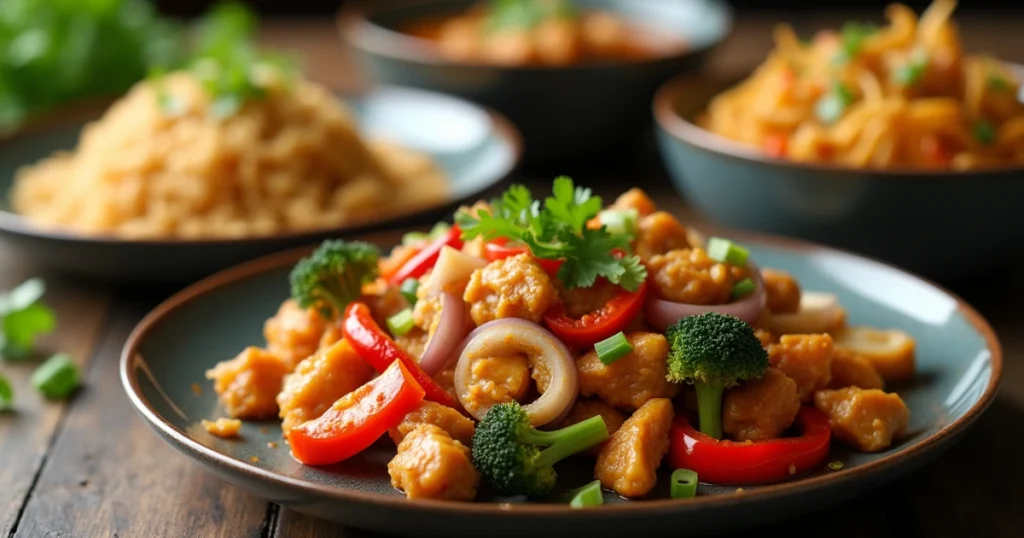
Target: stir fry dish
column 539, row 32
column 903, row 95
column 532, row 331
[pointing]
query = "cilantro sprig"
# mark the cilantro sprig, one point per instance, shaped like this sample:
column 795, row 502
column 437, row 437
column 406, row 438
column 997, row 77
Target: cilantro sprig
column 23, row 317
column 557, row 229
column 525, row 14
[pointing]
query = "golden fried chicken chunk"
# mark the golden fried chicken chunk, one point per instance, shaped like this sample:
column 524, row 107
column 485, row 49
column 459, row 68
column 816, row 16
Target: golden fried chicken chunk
column 319, row 381
column 633, row 379
column 513, row 287
column 294, row 332
column 248, row 384
column 494, row 380
column 782, row 292
column 865, row 419
column 760, row 409
column 637, row 199
column 454, row 423
column 659, row 233
column 432, row 465
column 629, row 461
column 690, row 276
column 806, row 359
column 852, row 370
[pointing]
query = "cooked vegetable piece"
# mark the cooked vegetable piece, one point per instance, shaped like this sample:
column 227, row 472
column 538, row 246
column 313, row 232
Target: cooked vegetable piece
column 612, row 317
column 806, row 359
column 713, row 352
column 831, row 106
column 426, row 257
column 320, row 380
column 725, row 251
column 408, row 289
column 890, row 351
column 57, row 377
column 358, row 419
column 413, row 239
column 334, row 275
column 380, row 351
column 401, row 323
column 742, row 288
column 558, row 230
column 507, row 449
column 585, row 408
column 684, row 484
column 755, row 462
column 619, row 221
column 612, row 349
column 589, row 495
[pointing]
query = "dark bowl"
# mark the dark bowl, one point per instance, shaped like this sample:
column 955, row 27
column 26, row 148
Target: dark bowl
column 943, row 224
column 568, row 113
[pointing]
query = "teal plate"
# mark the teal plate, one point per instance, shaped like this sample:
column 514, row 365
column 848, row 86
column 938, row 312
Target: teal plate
column 476, row 147
column 959, row 366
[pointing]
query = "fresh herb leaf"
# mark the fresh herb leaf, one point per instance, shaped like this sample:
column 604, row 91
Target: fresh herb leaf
column 6, row 393
column 831, row 106
column 525, row 14
column 23, row 317
column 558, row 230
column 851, row 40
column 912, row 71
column 984, row 132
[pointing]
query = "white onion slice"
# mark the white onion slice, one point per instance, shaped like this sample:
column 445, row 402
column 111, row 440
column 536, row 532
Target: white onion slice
column 452, row 266
column 450, row 331
column 819, row 313
column 501, row 336
column 661, row 313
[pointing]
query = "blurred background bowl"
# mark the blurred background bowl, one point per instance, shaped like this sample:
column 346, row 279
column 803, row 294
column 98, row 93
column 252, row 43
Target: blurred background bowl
column 569, row 113
column 946, row 225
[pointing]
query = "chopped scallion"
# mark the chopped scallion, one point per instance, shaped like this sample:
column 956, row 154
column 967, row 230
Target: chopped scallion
column 587, row 496
column 683, row 484
column 620, row 221
column 984, row 132
column 413, row 238
column 911, row 72
column 401, row 323
column 835, row 465
column 6, row 393
column 831, row 106
column 997, row 82
column 851, row 39
column 409, row 288
column 742, row 288
column 612, row 349
column 57, row 377
column 726, row 251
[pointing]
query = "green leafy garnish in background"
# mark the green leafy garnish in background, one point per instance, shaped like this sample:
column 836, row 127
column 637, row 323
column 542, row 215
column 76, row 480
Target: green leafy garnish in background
column 524, row 14
column 62, row 51
column 851, row 39
column 558, row 230
column 24, row 317
column 6, row 393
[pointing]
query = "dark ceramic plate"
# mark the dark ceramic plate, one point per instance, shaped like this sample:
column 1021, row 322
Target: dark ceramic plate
column 564, row 113
column 944, row 225
column 959, row 366
column 477, row 148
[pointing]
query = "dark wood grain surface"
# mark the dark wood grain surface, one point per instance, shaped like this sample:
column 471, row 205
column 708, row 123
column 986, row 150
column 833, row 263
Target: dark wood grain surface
column 90, row 467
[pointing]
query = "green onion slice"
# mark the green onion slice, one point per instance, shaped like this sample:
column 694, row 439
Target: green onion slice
column 614, row 348
column 684, row 484
column 409, row 288
column 620, row 221
column 401, row 323
column 6, row 393
column 414, row 238
column 57, row 377
column 726, row 251
column 835, row 465
column 742, row 288
column 984, row 132
column 589, row 495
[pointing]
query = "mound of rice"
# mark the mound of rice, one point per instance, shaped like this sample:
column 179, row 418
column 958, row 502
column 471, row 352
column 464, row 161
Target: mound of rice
column 291, row 161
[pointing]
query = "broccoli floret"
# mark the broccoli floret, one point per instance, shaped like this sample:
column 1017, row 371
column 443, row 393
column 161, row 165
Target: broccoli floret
column 507, row 449
column 713, row 352
column 333, row 276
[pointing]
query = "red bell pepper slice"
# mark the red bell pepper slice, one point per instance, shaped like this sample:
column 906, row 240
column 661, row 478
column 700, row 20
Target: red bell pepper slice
column 358, row 419
column 747, row 463
column 603, row 323
column 380, row 351
column 425, row 259
column 499, row 249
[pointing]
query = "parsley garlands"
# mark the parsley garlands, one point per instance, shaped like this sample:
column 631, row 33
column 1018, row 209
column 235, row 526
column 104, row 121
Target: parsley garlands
column 558, row 230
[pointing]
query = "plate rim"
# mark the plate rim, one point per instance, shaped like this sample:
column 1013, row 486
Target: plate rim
column 17, row 224
column 646, row 507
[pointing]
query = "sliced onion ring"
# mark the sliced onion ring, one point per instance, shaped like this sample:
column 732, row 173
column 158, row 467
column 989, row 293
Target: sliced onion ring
column 498, row 338
column 661, row 313
column 450, row 331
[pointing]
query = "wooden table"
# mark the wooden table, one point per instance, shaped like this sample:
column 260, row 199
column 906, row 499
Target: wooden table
column 90, row 467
